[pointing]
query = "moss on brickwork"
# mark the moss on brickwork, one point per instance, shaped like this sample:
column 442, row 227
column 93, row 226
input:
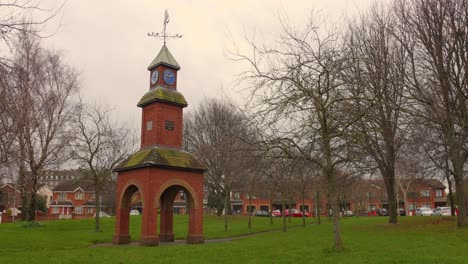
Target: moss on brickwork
column 161, row 157
column 163, row 95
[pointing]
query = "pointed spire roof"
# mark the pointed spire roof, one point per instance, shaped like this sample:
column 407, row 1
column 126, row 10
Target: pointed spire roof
column 164, row 58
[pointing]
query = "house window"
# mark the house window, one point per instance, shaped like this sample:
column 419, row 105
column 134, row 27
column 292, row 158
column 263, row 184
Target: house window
column 237, row 195
column 55, row 210
column 424, row 193
column 438, row 193
column 306, row 208
column 79, row 210
column 79, row 196
column 62, row 195
column 149, row 125
column 250, row 209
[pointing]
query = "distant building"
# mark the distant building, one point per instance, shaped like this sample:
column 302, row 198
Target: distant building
column 53, row 178
column 73, row 200
column 360, row 196
column 10, row 196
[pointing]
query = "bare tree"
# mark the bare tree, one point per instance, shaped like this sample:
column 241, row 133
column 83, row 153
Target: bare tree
column 434, row 34
column 300, row 98
column 217, row 134
column 377, row 70
column 43, row 87
column 19, row 17
column 99, row 145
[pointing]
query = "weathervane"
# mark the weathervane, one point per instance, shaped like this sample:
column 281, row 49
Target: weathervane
column 163, row 34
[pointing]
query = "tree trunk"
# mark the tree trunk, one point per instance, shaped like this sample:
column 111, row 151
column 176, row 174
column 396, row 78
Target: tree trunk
column 303, row 210
column 459, row 185
column 329, row 171
column 226, row 203
column 317, row 211
column 250, row 214
column 33, row 201
column 333, row 201
column 271, row 211
column 449, row 182
column 283, row 214
column 97, row 211
column 389, row 180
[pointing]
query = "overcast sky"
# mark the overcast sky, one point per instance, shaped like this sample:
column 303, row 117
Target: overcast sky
column 107, row 42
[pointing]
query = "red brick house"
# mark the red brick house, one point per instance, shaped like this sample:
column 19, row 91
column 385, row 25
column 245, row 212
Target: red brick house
column 360, row 197
column 73, row 200
column 10, row 197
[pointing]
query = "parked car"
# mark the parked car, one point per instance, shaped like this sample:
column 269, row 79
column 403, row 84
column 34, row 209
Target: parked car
column 295, row 213
column 261, row 213
column 134, row 212
column 446, row 211
column 102, row 214
column 381, row 211
column 348, row 213
column 401, row 211
column 276, row 213
column 424, row 211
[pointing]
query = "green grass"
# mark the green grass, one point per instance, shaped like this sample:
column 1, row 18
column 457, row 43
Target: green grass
column 367, row 240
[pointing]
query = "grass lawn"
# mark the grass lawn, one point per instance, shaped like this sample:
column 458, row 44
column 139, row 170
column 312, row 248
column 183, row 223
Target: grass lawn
column 367, row 240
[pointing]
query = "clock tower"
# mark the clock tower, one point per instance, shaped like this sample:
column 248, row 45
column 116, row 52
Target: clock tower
column 162, row 105
column 161, row 170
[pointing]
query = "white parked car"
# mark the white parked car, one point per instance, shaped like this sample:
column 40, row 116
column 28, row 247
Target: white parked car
column 446, row 211
column 424, row 211
column 134, row 212
column 102, row 214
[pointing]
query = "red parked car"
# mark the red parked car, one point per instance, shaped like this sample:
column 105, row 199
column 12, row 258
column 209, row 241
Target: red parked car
column 276, row 213
column 296, row 213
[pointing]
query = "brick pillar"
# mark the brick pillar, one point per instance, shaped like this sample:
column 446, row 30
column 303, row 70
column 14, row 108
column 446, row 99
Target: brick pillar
column 195, row 235
column 149, row 236
column 122, row 235
column 166, row 233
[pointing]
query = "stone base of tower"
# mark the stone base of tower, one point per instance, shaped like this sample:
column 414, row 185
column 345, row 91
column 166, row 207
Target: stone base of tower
column 149, row 241
column 195, row 239
column 121, row 239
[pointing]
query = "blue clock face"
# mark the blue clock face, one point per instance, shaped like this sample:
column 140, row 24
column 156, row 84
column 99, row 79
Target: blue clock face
column 154, row 77
column 169, row 77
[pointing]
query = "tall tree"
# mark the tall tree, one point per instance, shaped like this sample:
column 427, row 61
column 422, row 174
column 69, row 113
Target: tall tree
column 434, row 33
column 377, row 70
column 301, row 101
column 99, row 145
column 43, row 90
column 216, row 132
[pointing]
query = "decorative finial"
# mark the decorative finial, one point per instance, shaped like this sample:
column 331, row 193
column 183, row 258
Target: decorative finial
column 163, row 34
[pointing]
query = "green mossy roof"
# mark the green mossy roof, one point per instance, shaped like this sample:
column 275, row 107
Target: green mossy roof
column 161, row 157
column 163, row 95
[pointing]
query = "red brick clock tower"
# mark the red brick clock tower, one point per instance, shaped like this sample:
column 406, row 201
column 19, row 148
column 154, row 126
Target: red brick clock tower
column 161, row 168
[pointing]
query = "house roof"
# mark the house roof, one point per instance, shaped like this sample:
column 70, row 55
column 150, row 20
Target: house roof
column 433, row 183
column 13, row 186
column 73, row 186
column 161, row 157
column 62, row 203
column 164, row 57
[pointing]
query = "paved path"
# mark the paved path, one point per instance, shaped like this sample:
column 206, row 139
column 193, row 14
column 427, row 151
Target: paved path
column 183, row 242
